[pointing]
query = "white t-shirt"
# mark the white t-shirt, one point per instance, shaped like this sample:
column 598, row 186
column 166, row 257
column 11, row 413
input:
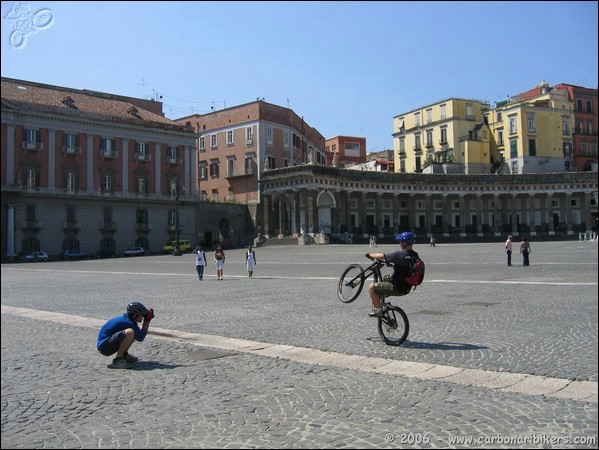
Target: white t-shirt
column 200, row 258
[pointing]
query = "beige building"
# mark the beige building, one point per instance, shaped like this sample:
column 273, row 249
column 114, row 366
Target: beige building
column 534, row 134
column 450, row 136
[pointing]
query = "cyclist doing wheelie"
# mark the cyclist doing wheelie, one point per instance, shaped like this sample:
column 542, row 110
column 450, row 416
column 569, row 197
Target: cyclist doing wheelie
column 397, row 285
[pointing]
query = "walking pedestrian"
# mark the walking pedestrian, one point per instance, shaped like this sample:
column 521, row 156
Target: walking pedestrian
column 200, row 261
column 372, row 240
column 525, row 251
column 219, row 261
column 508, row 250
column 250, row 261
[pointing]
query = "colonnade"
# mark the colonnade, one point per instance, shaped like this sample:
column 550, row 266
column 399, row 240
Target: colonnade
column 303, row 200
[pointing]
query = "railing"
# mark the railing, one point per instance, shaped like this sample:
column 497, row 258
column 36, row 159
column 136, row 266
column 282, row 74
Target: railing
column 71, row 225
column 108, row 226
column 143, row 227
column 33, row 146
column 31, row 225
column 143, row 157
column 71, row 150
column 109, row 154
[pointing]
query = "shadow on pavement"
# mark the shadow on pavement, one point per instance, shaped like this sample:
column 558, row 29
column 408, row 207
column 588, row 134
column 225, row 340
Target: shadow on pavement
column 150, row 365
column 443, row 346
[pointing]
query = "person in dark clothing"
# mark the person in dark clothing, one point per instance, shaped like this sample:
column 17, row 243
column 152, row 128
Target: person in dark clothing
column 401, row 260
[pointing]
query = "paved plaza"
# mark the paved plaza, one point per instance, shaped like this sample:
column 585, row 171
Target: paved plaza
column 497, row 356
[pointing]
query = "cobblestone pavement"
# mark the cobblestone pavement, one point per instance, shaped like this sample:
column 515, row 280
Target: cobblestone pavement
column 228, row 364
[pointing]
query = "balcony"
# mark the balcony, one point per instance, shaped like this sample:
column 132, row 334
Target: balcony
column 31, row 225
column 67, row 150
column 145, row 227
column 71, row 225
column 33, row 146
column 108, row 226
column 173, row 160
column 143, row 157
column 234, row 174
column 109, row 154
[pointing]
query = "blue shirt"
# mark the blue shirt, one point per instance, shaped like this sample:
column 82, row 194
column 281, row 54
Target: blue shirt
column 117, row 324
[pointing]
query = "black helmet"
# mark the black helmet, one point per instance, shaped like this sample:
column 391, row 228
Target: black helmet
column 137, row 309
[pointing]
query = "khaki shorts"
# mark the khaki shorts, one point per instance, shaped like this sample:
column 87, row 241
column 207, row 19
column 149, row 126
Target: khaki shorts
column 387, row 289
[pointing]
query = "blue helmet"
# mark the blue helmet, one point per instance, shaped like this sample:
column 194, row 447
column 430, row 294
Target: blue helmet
column 406, row 236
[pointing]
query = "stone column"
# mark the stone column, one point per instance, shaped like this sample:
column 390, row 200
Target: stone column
column 396, row 206
column 513, row 213
column 533, row 216
column 52, row 162
column 569, row 225
column 296, row 213
column 10, row 231
column 428, row 213
column 550, row 225
column 447, row 222
column 479, row 215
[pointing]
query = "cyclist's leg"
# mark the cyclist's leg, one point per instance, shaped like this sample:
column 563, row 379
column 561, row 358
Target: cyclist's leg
column 376, row 290
column 375, row 297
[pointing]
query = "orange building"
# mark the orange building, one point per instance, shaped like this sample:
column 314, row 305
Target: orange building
column 349, row 150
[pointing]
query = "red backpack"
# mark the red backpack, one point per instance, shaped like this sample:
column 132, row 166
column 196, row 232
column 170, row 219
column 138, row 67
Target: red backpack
column 416, row 274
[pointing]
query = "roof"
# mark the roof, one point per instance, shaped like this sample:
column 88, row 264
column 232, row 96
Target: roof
column 25, row 96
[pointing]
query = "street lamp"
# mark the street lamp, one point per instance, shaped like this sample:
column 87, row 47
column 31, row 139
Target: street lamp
column 177, row 250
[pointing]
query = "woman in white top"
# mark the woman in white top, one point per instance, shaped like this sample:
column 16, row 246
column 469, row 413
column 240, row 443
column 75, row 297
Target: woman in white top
column 250, row 260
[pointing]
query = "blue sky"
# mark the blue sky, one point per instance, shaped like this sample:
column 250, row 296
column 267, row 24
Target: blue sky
column 347, row 67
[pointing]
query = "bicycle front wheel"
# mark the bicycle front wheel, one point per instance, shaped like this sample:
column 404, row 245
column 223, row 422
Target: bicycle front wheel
column 351, row 283
column 394, row 326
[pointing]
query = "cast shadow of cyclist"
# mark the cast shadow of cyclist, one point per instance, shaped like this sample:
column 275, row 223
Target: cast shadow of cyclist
column 437, row 345
column 443, row 346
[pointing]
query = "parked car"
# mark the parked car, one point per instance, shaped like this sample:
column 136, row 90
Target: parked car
column 72, row 254
column 37, row 257
column 134, row 251
column 104, row 254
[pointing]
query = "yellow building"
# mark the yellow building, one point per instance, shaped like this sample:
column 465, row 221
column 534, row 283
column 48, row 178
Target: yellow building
column 534, row 132
column 450, row 136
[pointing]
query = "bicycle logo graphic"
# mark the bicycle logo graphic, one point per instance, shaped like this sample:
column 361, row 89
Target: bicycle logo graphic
column 25, row 23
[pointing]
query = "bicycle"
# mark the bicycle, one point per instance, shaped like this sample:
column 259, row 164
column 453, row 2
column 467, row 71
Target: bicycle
column 393, row 326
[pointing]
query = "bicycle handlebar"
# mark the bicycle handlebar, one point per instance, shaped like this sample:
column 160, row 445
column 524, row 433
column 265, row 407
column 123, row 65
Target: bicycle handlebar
column 378, row 261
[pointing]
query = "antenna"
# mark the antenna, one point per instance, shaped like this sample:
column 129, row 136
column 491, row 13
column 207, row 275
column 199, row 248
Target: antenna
column 143, row 83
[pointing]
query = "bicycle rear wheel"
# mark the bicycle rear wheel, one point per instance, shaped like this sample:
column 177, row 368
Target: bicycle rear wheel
column 351, row 283
column 393, row 326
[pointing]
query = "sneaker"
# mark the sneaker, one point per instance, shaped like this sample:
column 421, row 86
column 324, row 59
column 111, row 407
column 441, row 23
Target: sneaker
column 130, row 358
column 120, row 363
column 376, row 312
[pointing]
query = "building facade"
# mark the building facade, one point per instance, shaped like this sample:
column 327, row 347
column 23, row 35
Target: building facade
column 350, row 204
column 450, row 136
column 238, row 144
column 534, row 132
column 84, row 170
column 584, row 132
column 343, row 151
